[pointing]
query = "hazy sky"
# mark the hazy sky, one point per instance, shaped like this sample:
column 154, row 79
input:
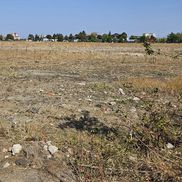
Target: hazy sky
column 102, row 16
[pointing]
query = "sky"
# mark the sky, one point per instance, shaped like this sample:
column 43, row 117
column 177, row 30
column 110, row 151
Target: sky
column 72, row 16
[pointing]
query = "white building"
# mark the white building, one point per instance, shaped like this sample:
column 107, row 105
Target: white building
column 16, row 36
column 149, row 35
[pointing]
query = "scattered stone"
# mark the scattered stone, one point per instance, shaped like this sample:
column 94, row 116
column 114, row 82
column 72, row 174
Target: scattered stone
column 45, row 147
column 48, row 143
column 87, row 99
column 133, row 158
column 41, row 90
column 136, row 99
column 49, row 156
column 6, row 156
column 7, row 164
column 133, row 109
column 21, row 162
column 82, row 83
column 4, row 150
column 112, row 103
column 52, row 149
column 121, row 91
column 16, row 149
column 170, row 146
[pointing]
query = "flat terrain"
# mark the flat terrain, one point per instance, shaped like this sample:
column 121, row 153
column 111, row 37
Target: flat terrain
column 113, row 112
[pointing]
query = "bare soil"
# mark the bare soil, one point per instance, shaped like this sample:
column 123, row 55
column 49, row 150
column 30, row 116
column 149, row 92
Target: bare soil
column 70, row 94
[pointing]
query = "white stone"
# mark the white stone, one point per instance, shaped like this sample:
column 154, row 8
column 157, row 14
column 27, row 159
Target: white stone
column 49, row 156
column 112, row 103
column 133, row 158
column 82, row 83
column 170, row 146
column 6, row 165
column 45, row 147
column 16, row 149
column 133, row 109
column 52, row 149
column 121, row 91
column 48, row 143
column 6, row 156
column 136, row 99
column 4, row 150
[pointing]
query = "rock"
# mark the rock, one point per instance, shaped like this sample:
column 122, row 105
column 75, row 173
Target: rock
column 46, row 147
column 7, row 164
column 4, row 150
column 6, row 156
column 52, row 149
column 170, row 146
column 121, row 91
column 16, row 149
column 21, row 162
column 48, row 143
column 133, row 109
column 133, row 158
column 136, row 99
column 49, row 156
column 82, row 83
column 112, row 103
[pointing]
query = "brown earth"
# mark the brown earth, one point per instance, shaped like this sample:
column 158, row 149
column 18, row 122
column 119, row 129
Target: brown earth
column 71, row 94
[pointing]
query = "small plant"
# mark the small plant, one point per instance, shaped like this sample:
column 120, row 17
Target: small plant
column 148, row 48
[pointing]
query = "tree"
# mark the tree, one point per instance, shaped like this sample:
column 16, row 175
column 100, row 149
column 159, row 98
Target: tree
column 49, row 37
column 66, row 38
column 60, row 37
column 55, row 36
column 82, row 36
column 31, row 37
column 37, row 38
column 9, row 37
column 99, row 38
column 104, row 38
column 109, row 37
column 92, row 37
column 174, row 38
column 123, row 37
column 1, row 37
column 71, row 38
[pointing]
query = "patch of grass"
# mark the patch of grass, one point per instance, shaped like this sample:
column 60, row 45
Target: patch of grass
column 173, row 85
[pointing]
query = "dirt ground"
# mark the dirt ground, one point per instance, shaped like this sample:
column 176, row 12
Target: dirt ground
column 74, row 95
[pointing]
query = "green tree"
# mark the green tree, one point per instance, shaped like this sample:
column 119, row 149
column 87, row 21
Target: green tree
column 82, row 36
column 9, row 37
column 92, row 37
column 60, row 37
column 172, row 38
column 55, row 36
column 37, row 38
column 66, row 38
column 49, row 37
column 71, row 38
column 109, row 37
column 123, row 37
column 1, row 37
column 104, row 37
column 31, row 37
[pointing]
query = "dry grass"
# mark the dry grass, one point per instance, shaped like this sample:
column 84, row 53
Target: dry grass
column 46, row 84
column 173, row 85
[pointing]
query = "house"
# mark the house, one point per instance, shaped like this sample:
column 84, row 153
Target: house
column 149, row 35
column 16, row 36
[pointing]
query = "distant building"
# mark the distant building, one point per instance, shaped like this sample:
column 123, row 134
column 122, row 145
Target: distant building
column 16, row 36
column 149, row 35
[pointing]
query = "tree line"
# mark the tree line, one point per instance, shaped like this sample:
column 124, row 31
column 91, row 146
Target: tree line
column 94, row 37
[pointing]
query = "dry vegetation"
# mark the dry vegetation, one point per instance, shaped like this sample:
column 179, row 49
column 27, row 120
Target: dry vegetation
column 70, row 94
